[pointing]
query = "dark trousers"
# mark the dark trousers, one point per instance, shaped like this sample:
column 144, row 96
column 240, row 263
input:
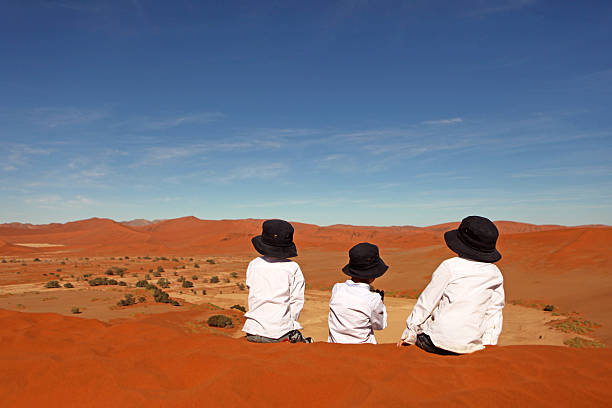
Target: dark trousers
column 424, row 342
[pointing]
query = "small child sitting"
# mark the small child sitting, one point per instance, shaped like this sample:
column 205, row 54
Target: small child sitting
column 276, row 287
column 354, row 311
column 460, row 310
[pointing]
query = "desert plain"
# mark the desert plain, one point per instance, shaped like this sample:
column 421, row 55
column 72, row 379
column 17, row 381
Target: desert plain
column 100, row 313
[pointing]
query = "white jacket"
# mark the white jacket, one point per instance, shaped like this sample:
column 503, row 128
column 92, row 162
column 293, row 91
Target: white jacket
column 354, row 313
column 461, row 308
column 276, row 297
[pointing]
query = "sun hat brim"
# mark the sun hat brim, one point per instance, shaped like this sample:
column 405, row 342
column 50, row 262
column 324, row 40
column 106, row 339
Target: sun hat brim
column 371, row 273
column 456, row 245
column 275, row 251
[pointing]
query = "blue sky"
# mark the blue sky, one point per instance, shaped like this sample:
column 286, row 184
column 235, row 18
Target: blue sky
column 359, row 112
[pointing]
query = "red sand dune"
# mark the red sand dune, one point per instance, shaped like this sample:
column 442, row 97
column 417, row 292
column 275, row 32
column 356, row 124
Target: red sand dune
column 52, row 360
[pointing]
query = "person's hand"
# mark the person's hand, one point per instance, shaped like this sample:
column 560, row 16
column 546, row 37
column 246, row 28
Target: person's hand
column 381, row 293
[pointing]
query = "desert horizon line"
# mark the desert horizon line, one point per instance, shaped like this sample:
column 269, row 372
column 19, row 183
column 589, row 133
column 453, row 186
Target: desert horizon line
column 146, row 221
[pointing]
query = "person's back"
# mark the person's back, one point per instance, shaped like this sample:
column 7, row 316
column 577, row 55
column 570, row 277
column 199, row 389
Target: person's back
column 276, row 287
column 460, row 310
column 276, row 297
column 354, row 313
column 464, row 320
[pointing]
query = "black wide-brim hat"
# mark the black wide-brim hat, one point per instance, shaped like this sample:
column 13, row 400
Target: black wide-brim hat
column 365, row 262
column 475, row 239
column 275, row 240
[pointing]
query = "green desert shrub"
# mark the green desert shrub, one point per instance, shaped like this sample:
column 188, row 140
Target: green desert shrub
column 115, row 270
column 234, row 275
column 214, row 279
column 163, row 283
column 36, row 260
column 68, row 285
column 160, row 269
column 194, row 277
column 220, row 321
column 203, row 291
column 141, row 283
column 238, row 307
column 52, row 284
column 196, row 265
column 549, row 308
column 127, row 301
column 241, row 286
column 187, row 284
column 102, row 281
column 211, row 261
column 122, row 283
column 141, row 299
column 147, row 277
column 75, row 310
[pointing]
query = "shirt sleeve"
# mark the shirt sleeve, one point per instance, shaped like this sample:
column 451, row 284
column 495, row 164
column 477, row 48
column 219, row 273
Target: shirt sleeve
column 494, row 317
column 427, row 302
column 379, row 315
column 296, row 297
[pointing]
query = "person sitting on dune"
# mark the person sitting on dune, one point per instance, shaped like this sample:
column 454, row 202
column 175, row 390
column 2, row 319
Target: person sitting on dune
column 276, row 287
column 354, row 311
column 460, row 310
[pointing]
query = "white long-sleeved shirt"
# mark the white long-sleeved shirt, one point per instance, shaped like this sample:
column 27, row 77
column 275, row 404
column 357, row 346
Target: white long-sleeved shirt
column 276, row 297
column 461, row 308
column 354, row 313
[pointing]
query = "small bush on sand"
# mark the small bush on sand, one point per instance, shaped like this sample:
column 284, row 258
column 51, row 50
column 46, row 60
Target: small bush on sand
column 141, row 283
column 115, row 270
column 187, row 284
column 194, row 265
column 68, row 285
column 156, row 274
column 211, row 261
column 127, row 301
column 141, row 299
column 147, row 277
column 241, row 286
column 220, row 321
column 52, row 284
column 238, row 307
column 214, row 279
column 163, row 283
column 234, row 275
column 75, row 310
column 549, row 308
column 194, row 277
column 579, row 342
column 204, row 291
column 160, row 269
column 102, row 281
column 122, row 283
column 36, row 260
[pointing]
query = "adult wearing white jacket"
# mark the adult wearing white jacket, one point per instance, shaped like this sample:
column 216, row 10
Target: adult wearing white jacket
column 460, row 310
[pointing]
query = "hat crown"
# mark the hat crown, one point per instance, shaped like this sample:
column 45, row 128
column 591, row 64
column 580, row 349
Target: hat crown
column 277, row 233
column 478, row 233
column 364, row 256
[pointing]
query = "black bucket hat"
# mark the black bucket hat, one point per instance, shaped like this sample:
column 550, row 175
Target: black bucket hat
column 365, row 262
column 276, row 239
column 474, row 239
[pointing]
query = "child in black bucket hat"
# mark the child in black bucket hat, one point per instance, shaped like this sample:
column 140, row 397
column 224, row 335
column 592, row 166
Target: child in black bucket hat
column 276, row 287
column 460, row 310
column 354, row 311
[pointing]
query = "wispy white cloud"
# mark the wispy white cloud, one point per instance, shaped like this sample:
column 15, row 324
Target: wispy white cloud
column 565, row 172
column 57, row 202
column 64, row 116
column 442, row 121
column 171, row 122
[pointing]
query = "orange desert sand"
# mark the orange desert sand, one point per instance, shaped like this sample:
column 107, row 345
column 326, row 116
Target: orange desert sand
column 156, row 354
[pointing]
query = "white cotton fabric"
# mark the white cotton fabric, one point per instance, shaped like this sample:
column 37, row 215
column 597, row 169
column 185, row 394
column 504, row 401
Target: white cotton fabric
column 354, row 313
column 461, row 308
column 276, row 297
